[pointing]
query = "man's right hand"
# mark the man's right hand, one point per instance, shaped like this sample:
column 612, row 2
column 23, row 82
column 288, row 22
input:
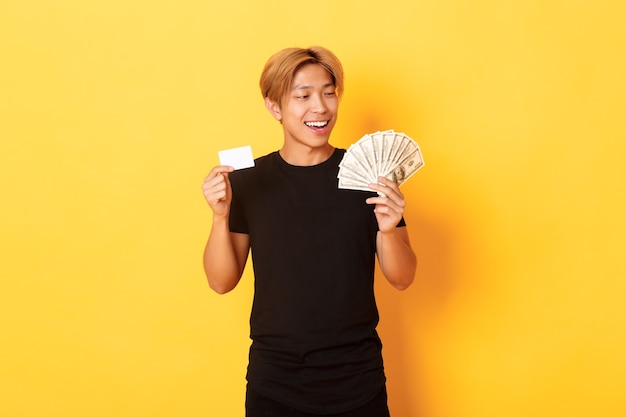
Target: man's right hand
column 217, row 191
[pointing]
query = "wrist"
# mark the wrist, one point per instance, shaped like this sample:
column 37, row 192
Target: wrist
column 220, row 220
column 391, row 233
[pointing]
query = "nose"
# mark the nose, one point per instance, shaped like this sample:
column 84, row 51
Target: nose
column 318, row 104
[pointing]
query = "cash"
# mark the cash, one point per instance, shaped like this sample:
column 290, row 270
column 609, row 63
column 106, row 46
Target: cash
column 381, row 154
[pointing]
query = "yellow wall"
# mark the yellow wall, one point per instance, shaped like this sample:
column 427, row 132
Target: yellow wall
column 111, row 113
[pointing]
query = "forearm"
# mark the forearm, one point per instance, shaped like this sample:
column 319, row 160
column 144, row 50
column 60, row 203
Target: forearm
column 222, row 265
column 396, row 257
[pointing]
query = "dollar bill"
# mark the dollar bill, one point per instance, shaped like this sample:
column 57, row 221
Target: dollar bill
column 385, row 153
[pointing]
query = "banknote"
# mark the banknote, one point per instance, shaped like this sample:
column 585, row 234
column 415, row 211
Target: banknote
column 387, row 153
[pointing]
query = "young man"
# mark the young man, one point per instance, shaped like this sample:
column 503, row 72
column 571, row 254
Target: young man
column 315, row 350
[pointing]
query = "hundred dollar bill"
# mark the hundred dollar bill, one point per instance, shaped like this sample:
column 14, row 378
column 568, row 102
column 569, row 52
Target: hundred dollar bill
column 352, row 163
column 388, row 153
column 388, row 146
column 406, row 168
column 352, row 184
column 356, row 159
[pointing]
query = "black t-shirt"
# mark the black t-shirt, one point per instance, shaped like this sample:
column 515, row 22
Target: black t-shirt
column 314, row 316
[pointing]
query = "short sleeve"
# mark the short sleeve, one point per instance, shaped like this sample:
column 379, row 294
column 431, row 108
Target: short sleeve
column 237, row 220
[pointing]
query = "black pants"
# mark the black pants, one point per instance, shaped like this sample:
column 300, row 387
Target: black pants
column 259, row 406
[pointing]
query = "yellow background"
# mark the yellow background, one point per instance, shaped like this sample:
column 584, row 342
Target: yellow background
column 112, row 113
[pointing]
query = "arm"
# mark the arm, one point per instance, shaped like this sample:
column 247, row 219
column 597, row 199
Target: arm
column 225, row 253
column 395, row 255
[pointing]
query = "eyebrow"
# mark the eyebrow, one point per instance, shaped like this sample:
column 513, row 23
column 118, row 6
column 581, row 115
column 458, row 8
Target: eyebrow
column 306, row 87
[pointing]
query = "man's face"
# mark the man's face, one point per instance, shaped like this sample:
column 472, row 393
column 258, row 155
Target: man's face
column 309, row 110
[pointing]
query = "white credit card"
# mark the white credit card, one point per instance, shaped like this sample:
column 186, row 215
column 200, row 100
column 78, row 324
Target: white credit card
column 237, row 158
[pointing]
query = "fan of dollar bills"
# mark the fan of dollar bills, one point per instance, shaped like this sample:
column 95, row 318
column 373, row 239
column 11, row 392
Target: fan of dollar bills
column 382, row 154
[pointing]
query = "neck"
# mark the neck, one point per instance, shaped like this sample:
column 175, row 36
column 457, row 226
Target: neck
column 306, row 156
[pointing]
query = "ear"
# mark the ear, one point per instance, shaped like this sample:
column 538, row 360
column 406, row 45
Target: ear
column 273, row 108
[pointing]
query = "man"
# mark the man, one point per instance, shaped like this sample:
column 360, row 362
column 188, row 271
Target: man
column 315, row 350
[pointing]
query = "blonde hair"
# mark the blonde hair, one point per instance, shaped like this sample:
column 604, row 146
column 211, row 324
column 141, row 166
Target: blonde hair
column 280, row 69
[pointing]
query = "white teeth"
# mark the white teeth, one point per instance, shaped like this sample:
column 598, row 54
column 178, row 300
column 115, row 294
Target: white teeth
column 316, row 124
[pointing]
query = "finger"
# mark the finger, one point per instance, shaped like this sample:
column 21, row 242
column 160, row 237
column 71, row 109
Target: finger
column 387, row 195
column 219, row 170
column 218, row 175
column 390, row 184
column 214, row 185
column 216, row 188
column 386, row 214
column 386, row 202
column 216, row 197
column 386, row 186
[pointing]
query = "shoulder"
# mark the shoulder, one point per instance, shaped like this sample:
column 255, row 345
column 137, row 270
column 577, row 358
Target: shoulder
column 249, row 178
column 261, row 163
column 266, row 160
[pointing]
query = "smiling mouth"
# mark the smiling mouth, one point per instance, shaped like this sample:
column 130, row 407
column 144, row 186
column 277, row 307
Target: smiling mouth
column 317, row 124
